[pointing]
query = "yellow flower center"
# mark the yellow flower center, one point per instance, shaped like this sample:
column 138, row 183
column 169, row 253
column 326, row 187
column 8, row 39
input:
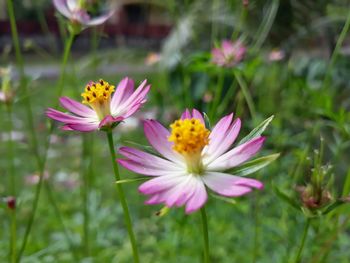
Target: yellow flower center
column 98, row 96
column 190, row 137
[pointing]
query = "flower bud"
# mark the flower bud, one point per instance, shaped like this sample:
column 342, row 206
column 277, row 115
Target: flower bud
column 314, row 199
column 11, row 202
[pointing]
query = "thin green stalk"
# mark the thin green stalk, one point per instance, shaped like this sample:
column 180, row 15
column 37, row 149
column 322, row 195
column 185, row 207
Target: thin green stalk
column 122, row 199
column 12, row 184
column 240, row 24
column 266, row 25
column 303, row 238
column 27, row 104
column 42, row 163
column 226, row 100
column 67, row 49
column 10, row 152
column 336, row 51
column 217, row 94
column 244, row 88
column 205, row 235
column 214, row 29
column 13, row 236
column 23, row 80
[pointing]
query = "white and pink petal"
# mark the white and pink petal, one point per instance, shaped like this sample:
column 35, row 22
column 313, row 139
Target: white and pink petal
column 230, row 185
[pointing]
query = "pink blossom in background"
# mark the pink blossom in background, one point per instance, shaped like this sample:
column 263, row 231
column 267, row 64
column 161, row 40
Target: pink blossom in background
column 192, row 158
column 35, row 178
column 152, row 58
column 276, row 55
column 228, row 54
column 76, row 13
column 102, row 110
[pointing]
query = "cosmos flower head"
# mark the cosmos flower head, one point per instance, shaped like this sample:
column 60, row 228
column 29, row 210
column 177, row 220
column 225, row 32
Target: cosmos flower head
column 193, row 159
column 76, row 11
column 100, row 109
column 229, row 54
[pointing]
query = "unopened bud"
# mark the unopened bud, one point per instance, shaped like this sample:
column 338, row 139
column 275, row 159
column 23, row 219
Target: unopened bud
column 313, row 200
column 11, row 202
column 245, row 3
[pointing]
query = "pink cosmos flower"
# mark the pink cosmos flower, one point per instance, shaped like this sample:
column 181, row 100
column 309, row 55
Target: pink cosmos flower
column 193, row 158
column 229, row 54
column 75, row 12
column 103, row 111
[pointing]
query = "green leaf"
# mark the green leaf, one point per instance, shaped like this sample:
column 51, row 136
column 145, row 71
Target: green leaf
column 225, row 199
column 346, row 187
column 284, row 197
column 207, row 121
column 257, row 131
column 131, row 180
column 334, row 205
column 254, row 165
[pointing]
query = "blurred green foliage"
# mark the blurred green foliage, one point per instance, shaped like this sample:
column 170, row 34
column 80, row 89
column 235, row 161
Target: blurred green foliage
column 261, row 227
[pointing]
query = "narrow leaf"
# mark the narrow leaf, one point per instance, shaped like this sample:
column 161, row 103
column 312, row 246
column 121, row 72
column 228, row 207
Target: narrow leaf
column 254, row 165
column 286, row 198
column 335, row 205
column 257, row 131
column 131, row 180
column 207, row 121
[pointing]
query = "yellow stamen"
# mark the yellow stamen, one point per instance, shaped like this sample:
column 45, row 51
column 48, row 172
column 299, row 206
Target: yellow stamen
column 98, row 95
column 189, row 136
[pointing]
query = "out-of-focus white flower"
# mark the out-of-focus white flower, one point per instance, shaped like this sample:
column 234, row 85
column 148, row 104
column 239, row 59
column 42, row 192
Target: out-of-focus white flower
column 76, row 12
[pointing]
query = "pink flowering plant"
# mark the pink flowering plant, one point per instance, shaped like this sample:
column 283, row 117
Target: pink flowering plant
column 77, row 12
column 228, row 54
column 101, row 109
column 194, row 158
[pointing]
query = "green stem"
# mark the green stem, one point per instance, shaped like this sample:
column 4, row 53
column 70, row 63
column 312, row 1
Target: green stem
column 67, row 49
column 336, row 50
column 12, row 184
column 266, row 25
column 205, row 235
column 23, row 80
column 217, row 95
column 303, row 238
column 227, row 99
column 42, row 163
column 244, row 88
column 10, row 153
column 121, row 194
column 214, row 29
column 13, row 235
